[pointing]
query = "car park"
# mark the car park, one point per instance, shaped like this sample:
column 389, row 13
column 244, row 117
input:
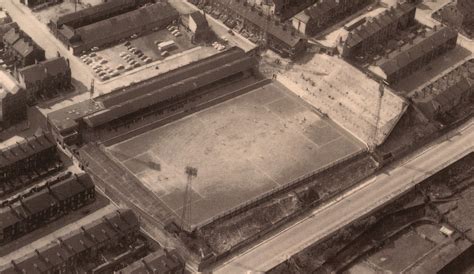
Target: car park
column 104, row 77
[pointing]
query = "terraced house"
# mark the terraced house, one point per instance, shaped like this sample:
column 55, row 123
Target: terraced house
column 324, row 13
column 378, row 30
column 21, row 50
column 45, row 79
column 27, row 214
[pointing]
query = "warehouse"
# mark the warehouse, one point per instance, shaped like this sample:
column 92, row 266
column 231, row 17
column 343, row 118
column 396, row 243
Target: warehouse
column 38, row 209
column 110, row 30
column 64, row 255
column 415, row 55
column 95, row 13
column 378, row 30
column 32, row 153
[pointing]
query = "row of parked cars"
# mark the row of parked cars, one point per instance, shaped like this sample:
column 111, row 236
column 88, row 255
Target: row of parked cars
column 134, row 56
column 174, row 30
column 100, row 66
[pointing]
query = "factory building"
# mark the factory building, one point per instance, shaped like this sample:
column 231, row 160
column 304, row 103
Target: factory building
column 82, row 36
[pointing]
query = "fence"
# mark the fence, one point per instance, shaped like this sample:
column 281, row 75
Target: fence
column 268, row 195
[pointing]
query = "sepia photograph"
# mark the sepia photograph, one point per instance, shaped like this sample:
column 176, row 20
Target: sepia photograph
column 236, row 136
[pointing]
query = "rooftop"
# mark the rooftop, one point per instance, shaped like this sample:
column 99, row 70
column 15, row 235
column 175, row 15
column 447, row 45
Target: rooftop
column 66, row 118
column 25, row 149
column 414, row 50
column 39, row 71
column 274, row 28
column 374, row 25
column 123, row 23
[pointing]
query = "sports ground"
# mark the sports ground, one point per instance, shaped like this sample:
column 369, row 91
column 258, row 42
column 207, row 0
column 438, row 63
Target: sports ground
column 242, row 149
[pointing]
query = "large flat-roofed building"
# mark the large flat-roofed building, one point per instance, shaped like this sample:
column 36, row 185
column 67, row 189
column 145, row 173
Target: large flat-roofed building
column 322, row 14
column 38, row 209
column 45, row 79
column 87, row 120
column 12, row 100
column 416, row 54
column 378, row 30
column 86, row 243
column 277, row 36
column 112, row 29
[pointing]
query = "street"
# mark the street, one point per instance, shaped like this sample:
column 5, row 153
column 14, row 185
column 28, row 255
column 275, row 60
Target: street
column 351, row 206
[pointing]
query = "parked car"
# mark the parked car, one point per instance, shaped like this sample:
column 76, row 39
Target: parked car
column 127, row 43
column 104, row 77
column 95, row 48
column 134, row 36
column 103, row 61
column 120, row 67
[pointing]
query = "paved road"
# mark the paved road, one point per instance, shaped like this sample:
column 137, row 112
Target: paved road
column 217, row 26
column 369, row 196
column 43, row 37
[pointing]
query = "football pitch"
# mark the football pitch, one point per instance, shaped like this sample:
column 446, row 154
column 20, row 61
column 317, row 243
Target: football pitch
column 242, row 149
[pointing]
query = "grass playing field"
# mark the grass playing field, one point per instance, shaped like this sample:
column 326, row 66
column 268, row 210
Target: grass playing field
column 242, row 149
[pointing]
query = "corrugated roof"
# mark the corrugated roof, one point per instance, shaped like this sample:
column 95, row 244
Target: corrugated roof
column 169, row 91
column 128, row 93
column 110, row 28
column 94, row 11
